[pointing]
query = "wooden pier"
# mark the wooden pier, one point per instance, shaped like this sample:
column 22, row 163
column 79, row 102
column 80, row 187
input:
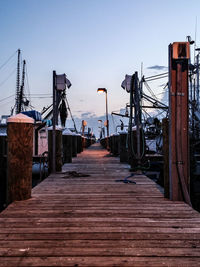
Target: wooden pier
column 97, row 220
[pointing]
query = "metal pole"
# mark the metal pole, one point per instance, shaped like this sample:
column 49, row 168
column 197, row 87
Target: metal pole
column 198, row 81
column 54, row 125
column 130, row 137
column 107, row 122
column 17, row 84
column 107, row 114
column 137, row 116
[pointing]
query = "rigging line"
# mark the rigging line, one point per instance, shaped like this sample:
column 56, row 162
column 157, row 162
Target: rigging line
column 6, row 103
column 27, row 82
column 149, row 89
column 166, row 86
column 162, row 93
column 41, row 96
column 6, row 97
column 7, row 78
column 149, row 80
column 161, row 74
column 7, row 60
column 71, row 114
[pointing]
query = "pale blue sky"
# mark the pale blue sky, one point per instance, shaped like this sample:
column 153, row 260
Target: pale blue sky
column 95, row 42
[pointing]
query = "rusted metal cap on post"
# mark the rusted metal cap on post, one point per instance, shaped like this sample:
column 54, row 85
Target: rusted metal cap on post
column 20, row 118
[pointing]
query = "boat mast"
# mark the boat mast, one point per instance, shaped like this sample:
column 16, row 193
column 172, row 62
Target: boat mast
column 21, row 93
column 17, row 84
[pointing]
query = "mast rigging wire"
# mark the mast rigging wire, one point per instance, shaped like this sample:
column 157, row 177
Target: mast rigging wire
column 157, row 75
column 6, row 97
column 71, row 115
column 8, row 77
column 8, row 60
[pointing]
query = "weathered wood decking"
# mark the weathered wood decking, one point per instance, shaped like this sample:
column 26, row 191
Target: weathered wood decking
column 96, row 221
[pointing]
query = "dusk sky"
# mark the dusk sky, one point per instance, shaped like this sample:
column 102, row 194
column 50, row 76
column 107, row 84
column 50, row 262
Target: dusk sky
column 95, row 42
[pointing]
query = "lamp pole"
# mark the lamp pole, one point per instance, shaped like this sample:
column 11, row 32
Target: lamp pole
column 54, row 125
column 104, row 90
column 107, row 122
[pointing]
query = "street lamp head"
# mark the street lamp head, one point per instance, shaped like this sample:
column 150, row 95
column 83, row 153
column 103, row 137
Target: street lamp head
column 101, row 90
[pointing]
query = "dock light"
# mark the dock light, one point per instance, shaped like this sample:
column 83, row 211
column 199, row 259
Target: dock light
column 100, row 91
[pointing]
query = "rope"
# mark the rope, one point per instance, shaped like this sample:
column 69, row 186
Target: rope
column 126, row 181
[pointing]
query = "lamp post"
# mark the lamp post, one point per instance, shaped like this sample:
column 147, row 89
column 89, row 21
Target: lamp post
column 104, row 90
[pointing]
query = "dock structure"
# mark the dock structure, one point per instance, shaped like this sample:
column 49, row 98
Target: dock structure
column 87, row 216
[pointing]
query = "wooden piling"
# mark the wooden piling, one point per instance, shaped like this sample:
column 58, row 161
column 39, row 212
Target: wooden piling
column 179, row 175
column 79, row 144
column 165, row 130
column 3, row 171
column 123, row 151
column 58, row 148
column 20, row 153
column 67, row 146
column 74, row 145
column 116, row 144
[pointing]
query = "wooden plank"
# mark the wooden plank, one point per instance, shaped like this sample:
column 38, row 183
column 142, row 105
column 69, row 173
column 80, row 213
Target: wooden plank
column 99, row 261
column 86, row 251
column 95, row 221
column 101, row 243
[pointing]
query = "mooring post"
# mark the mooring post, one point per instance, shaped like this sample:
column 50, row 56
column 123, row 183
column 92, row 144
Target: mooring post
column 165, row 131
column 74, row 144
column 67, row 146
column 57, row 156
column 20, row 153
column 123, row 150
column 3, row 170
column 179, row 177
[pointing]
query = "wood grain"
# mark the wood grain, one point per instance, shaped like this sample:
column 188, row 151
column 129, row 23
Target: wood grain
column 96, row 221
